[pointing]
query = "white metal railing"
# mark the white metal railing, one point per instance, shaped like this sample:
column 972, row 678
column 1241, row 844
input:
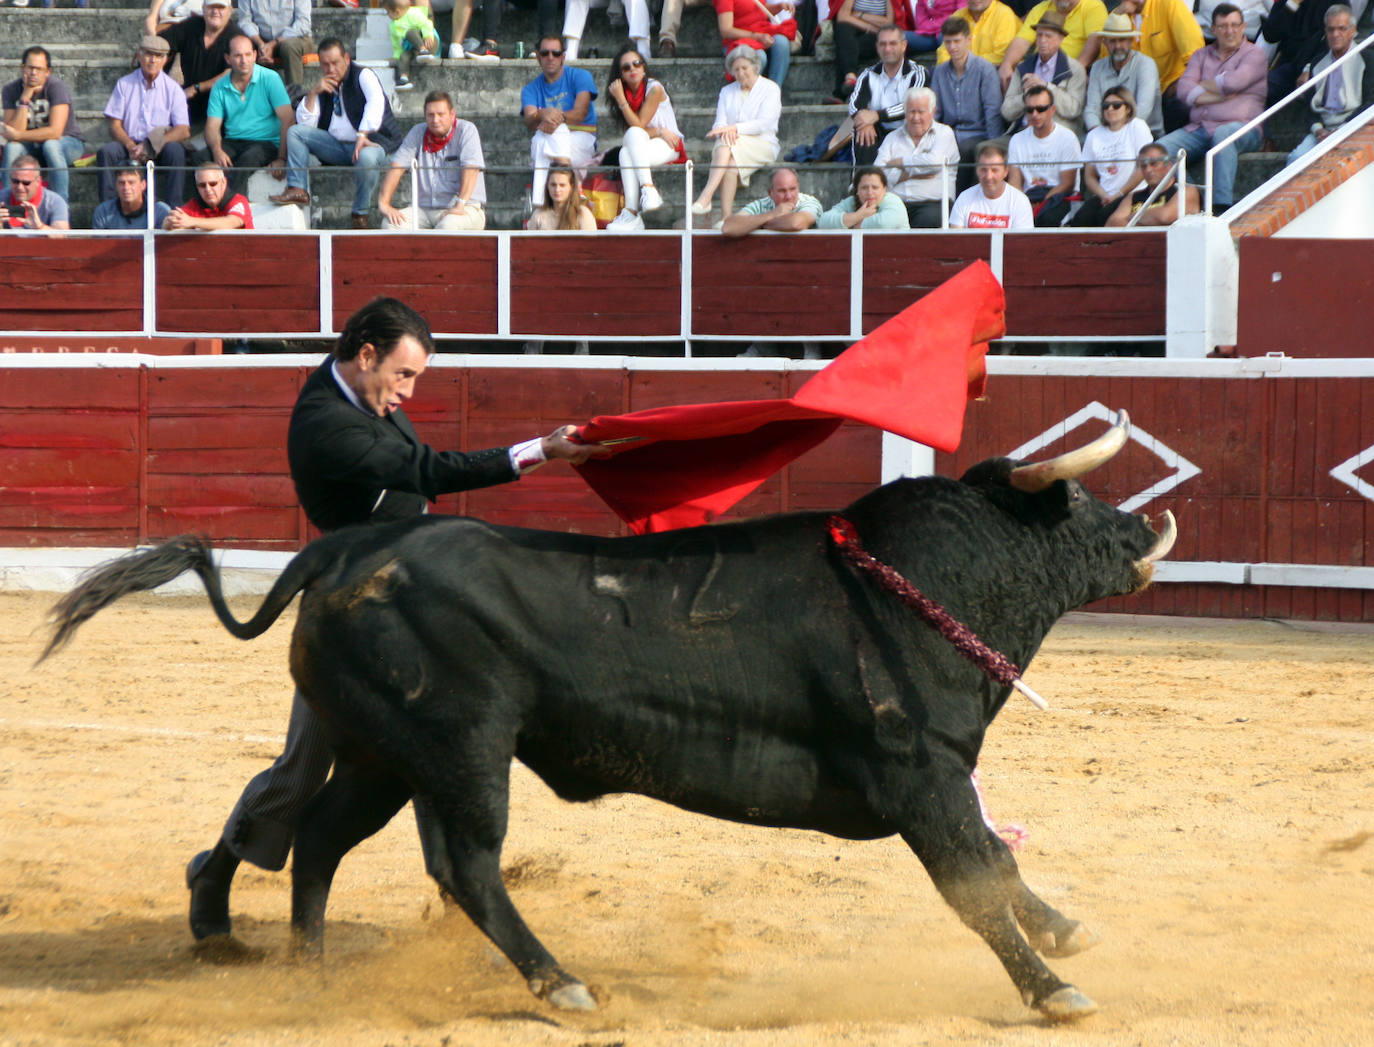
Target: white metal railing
column 1180, row 171
column 1250, row 125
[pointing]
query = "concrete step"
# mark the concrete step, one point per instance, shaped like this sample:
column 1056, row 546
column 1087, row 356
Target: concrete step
column 112, row 25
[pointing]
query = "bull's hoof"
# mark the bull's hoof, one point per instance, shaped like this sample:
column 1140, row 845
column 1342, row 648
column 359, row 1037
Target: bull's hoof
column 563, row 991
column 1069, row 940
column 1066, row 1005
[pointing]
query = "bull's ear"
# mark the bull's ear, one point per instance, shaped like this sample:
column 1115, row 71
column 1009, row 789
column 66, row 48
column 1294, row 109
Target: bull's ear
column 991, row 472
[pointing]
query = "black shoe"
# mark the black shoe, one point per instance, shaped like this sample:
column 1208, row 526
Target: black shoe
column 209, row 897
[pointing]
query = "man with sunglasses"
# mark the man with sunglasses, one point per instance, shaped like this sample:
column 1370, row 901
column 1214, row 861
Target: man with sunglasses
column 25, row 204
column 557, row 109
column 1154, row 163
column 1123, row 66
column 1044, row 159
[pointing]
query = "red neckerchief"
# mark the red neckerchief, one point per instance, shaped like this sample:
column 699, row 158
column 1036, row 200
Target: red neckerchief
column 437, row 145
column 17, row 221
column 636, row 98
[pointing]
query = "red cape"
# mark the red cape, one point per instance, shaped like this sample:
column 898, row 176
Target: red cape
column 912, row 376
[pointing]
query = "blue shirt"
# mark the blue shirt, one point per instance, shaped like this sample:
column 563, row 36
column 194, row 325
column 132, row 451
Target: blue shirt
column 251, row 116
column 562, row 93
column 109, row 216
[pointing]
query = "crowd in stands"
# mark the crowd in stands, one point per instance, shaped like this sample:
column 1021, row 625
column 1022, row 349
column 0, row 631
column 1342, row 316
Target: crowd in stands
column 1060, row 112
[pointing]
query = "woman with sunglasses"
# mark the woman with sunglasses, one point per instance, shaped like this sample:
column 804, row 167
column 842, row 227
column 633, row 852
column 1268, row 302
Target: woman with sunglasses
column 1109, row 152
column 642, row 108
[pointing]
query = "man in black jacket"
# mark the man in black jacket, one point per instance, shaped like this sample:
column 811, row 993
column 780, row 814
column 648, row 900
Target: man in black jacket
column 355, row 459
column 877, row 105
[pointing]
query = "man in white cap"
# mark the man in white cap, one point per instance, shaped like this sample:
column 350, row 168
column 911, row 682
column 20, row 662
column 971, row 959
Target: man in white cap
column 1122, row 66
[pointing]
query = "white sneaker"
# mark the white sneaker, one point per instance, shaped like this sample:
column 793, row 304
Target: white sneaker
column 426, row 57
column 812, row 351
column 456, row 51
column 626, row 222
column 533, row 348
column 750, row 353
column 580, row 349
column 649, row 200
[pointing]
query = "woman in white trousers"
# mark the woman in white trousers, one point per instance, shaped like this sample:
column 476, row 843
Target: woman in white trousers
column 640, row 105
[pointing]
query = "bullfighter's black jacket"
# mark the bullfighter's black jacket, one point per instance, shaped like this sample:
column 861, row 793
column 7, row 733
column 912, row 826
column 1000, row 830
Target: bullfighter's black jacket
column 352, row 466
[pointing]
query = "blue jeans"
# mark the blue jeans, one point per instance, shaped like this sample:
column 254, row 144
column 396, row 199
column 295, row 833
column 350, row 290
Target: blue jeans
column 304, row 142
column 1197, row 141
column 1305, row 146
column 779, row 59
column 56, row 155
column 919, row 44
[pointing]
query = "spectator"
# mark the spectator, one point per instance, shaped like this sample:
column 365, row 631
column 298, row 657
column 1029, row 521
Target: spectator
column 164, row 13
column 575, row 22
column 877, row 104
column 1347, row 91
column 1224, row 84
column 1079, row 22
column 557, row 108
column 39, row 119
column 857, row 24
column 992, row 203
column 129, row 208
column 1109, row 155
column 761, row 25
column 345, row 120
column 412, row 36
column 26, row 204
column 870, row 206
column 563, row 206
column 1044, row 160
column 923, row 158
column 1295, row 28
column 670, row 24
column 993, row 26
column 745, row 130
column 248, row 118
column 202, row 44
column 213, row 207
column 1052, row 69
column 281, row 29
column 786, row 209
column 968, row 96
column 1122, row 66
column 148, row 121
column 1253, row 11
column 1169, row 35
column 1154, row 162
column 641, row 106
column 927, row 18
column 449, row 180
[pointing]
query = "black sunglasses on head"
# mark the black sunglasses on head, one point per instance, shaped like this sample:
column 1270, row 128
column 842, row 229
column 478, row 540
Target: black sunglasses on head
column 1113, row 105
column 546, row 53
column 633, row 63
column 1039, row 108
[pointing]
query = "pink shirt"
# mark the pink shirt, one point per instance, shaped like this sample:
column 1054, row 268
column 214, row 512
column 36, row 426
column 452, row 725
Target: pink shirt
column 1243, row 79
column 930, row 15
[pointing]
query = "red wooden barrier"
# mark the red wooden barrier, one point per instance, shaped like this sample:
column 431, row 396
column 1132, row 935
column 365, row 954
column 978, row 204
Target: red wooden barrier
column 1090, row 283
column 63, row 284
column 584, row 286
column 238, row 283
column 767, row 285
column 895, row 275
column 1298, row 297
column 452, row 280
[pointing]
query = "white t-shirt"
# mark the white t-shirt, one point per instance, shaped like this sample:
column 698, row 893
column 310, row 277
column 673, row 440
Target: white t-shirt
column 973, row 210
column 1114, row 152
column 1042, row 160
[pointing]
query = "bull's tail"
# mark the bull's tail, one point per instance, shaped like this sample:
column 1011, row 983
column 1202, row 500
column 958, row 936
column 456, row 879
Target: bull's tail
column 141, row 571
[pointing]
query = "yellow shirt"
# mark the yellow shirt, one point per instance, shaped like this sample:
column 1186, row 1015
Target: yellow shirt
column 1169, row 34
column 991, row 33
column 1084, row 20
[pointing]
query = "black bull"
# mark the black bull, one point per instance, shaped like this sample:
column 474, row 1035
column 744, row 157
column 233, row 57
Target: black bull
column 742, row 670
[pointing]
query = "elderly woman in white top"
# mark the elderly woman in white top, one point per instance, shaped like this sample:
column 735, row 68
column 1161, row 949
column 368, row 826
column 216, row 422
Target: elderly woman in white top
column 640, row 105
column 746, row 129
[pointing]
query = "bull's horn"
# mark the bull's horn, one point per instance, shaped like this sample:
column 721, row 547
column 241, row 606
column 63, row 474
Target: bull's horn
column 1166, row 539
column 1072, row 464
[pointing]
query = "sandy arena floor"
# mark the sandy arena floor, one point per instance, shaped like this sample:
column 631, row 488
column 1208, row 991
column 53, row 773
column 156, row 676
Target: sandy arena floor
column 1200, row 794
